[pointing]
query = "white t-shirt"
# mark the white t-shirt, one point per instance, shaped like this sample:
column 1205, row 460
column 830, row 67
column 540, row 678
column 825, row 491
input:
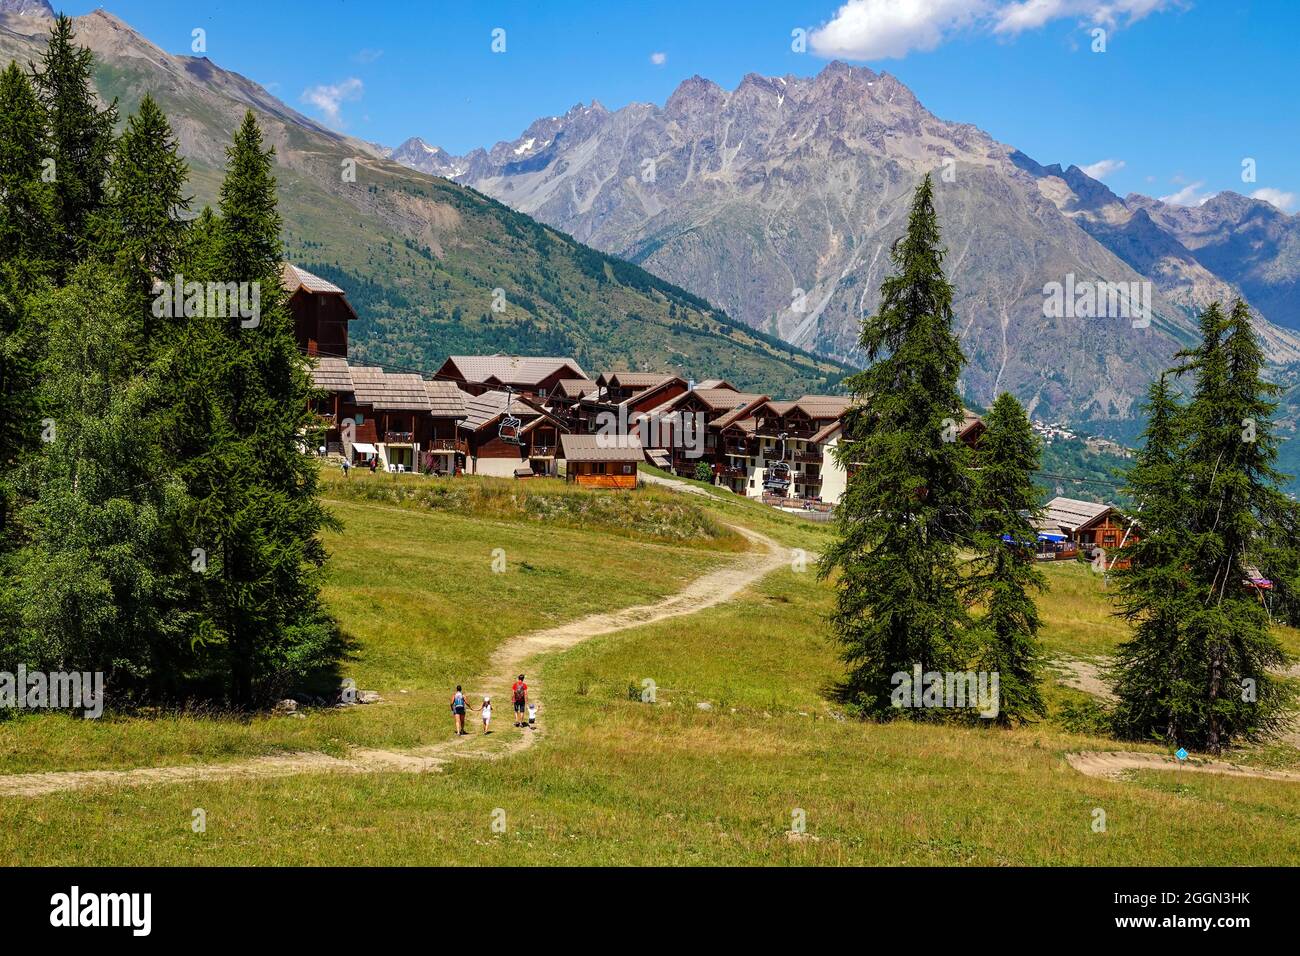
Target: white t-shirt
column 487, row 711
column 532, row 711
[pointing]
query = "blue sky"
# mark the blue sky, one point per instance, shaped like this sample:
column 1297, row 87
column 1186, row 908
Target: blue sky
column 1183, row 93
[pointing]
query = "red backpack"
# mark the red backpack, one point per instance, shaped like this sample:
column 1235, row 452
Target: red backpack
column 520, row 691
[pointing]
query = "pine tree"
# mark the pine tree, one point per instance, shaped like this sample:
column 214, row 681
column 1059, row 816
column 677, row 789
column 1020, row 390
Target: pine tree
column 98, row 581
column 26, row 199
column 1006, row 502
column 143, row 223
column 80, row 140
column 25, row 228
column 905, row 513
column 1155, row 678
column 256, row 510
column 1198, row 670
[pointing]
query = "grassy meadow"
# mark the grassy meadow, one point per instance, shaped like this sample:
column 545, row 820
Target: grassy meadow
column 614, row 780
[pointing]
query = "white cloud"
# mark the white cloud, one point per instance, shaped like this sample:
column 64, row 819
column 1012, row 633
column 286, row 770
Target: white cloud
column 890, row 29
column 1189, row 195
column 883, row 29
column 367, row 55
column 1024, row 15
column 1103, row 168
column 658, row 59
column 1282, row 200
column 329, row 98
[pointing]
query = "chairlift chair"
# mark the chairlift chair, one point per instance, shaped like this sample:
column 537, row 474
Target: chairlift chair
column 509, row 426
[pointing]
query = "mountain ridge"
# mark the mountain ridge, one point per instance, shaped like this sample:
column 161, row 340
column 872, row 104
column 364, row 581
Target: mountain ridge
column 422, row 258
column 790, row 184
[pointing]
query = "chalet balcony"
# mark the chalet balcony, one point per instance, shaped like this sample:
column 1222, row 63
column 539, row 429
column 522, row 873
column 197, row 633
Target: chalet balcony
column 542, row 451
column 775, row 431
column 729, row 471
column 449, row 445
column 739, row 451
column 399, row 438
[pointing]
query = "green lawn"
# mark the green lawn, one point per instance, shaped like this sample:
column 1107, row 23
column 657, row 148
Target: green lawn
column 615, row 780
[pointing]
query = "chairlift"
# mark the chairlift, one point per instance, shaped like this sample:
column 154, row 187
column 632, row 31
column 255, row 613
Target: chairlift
column 509, row 426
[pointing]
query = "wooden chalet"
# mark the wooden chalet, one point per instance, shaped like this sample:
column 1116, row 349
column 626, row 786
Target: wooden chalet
column 684, row 453
column 601, row 461
column 627, row 396
column 1069, row 528
column 510, row 435
column 398, row 418
column 320, row 310
column 535, row 377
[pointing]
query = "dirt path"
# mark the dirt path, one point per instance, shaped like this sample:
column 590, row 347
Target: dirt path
column 1112, row 765
column 509, row 659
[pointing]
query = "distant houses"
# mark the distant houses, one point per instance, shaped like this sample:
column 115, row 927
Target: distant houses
column 533, row 416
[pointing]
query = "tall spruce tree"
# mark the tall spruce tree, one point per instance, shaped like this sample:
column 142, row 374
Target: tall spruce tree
column 1155, row 677
column 80, row 141
column 98, row 581
column 255, row 510
column 144, row 219
column 1005, row 573
column 905, row 514
column 1198, row 671
column 25, row 229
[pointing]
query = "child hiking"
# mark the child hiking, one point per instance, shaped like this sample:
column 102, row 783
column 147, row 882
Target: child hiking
column 487, row 714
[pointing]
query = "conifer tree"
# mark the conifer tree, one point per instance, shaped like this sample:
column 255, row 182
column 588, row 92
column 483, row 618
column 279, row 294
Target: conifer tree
column 25, row 229
column 98, row 582
column 26, row 210
column 80, row 141
column 1005, row 573
column 905, row 513
column 143, row 222
column 1155, row 678
column 1198, row 671
column 255, row 510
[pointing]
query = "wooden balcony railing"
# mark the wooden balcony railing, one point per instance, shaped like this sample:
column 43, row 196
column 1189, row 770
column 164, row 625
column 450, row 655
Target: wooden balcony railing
column 449, row 444
column 401, row 438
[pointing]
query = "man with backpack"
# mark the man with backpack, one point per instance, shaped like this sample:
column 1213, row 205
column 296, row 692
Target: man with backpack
column 519, row 691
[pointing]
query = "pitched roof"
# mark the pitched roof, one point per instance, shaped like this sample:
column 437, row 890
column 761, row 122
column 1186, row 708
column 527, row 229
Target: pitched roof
column 1071, row 514
column 715, row 383
column 824, row 406
column 398, row 391
column 445, row 400
column 482, row 410
column 294, row 277
column 825, row 434
column 723, row 399
column 636, row 379
column 740, row 413
column 576, row 387
column 512, row 369
column 601, row 448
column 332, row 374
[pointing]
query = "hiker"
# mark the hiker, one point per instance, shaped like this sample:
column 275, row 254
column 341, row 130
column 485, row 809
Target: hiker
column 532, row 716
column 487, row 714
column 520, row 693
column 458, row 710
column 374, row 463
column 347, row 467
